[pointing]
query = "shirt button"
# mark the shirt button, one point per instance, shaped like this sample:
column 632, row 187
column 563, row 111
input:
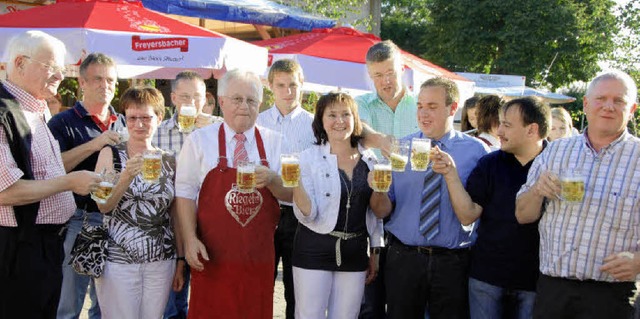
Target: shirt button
column 327, row 175
column 327, row 194
column 324, row 156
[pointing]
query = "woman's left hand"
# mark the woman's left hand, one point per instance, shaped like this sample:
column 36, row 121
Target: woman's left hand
column 178, row 277
column 372, row 269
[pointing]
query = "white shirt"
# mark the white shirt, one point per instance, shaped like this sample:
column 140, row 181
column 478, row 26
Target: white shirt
column 199, row 155
column 295, row 128
column 320, row 178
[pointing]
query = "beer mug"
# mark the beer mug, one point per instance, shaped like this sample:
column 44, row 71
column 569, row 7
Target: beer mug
column 152, row 166
column 105, row 188
column 290, row 170
column 187, row 118
column 420, row 149
column 571, row 186
column 246, row 177
column 382, row 176
column 399, row 155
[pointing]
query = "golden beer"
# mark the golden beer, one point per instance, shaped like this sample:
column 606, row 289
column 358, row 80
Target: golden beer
column 381, row 177
column 151, row 167
column 102, row 194
column 187, row 118
column 572, row 189
column 420, row 148
column 246, row 179
column 398, row 162
column 290, row 174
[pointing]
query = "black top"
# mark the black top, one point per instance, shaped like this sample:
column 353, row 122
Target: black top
column 318, row 251
column 74, row 127
column 505, row 253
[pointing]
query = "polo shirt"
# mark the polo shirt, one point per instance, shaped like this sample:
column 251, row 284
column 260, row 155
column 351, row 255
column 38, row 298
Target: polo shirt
column 381, row 118
column 505, row 253
column 74, row 127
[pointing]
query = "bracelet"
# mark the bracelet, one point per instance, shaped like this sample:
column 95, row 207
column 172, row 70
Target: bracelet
column 375, row 250
column 181, row 259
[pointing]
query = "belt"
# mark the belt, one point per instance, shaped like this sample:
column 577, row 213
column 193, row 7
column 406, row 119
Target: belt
column 343, row 236
column 427, row 250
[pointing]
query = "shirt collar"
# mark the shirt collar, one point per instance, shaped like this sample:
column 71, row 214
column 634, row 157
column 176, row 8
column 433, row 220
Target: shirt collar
column 375, row 97
column 250, row 134
column 26, row 100
column 623, row 137
column 446, row 139
column 276, row 116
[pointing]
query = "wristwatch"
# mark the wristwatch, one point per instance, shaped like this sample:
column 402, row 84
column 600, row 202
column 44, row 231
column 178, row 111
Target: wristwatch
column 181, row 258
column 375, row 250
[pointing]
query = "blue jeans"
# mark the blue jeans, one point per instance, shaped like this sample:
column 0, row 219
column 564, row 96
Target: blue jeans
column 492, row 302
column 74, row 286
column 179, row 301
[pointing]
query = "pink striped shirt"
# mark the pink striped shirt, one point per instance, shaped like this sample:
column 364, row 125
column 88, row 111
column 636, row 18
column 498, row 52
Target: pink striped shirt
column 46, row 163
column 576, row 237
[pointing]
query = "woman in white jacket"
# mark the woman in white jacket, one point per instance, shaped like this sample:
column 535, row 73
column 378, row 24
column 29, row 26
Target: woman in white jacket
column 337, row 210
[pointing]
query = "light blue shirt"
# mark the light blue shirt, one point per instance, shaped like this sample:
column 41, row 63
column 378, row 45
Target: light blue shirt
column 383, row 119
column 406, row 192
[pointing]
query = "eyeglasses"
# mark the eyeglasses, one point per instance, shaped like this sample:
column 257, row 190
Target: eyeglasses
column 187, row 97
column 238, row 100
column 52, row 69
column 143, row 119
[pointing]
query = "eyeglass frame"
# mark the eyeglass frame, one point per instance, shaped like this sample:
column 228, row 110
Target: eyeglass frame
column 239, row 100
column 52, row 69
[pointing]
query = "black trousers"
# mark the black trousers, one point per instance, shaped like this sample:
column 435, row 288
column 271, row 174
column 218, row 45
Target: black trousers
column 575, row 299
column 283, row 241
column 426, row 279
column 31, row 272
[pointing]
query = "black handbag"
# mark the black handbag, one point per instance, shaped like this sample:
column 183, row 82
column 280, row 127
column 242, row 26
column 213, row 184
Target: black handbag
column 89, row 252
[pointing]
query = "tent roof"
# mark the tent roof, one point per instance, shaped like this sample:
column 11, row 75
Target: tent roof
column 263, row 12
column 344, row 44
column 100, row 15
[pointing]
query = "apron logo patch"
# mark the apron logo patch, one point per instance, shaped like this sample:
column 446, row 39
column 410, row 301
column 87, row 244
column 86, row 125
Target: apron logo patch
column 243, row 206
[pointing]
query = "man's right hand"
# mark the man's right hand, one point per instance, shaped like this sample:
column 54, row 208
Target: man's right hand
column 193, row 248
column 547, row 185
column 106, row 138
column 84, row 182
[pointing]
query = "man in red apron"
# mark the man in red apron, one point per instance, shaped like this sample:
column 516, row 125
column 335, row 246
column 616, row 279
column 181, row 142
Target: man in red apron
column 228, row 234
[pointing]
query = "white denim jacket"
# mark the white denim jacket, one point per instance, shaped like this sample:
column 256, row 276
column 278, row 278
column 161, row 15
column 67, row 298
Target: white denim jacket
column 321, row 180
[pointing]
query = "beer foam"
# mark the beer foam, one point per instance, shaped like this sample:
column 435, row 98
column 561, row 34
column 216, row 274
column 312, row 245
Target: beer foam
column 246, row 169
column 399, row 157
column 420, row 146
column 106, row 184
column 188, row 110
column 289, row 160
column 152, row 155
column 381, row 167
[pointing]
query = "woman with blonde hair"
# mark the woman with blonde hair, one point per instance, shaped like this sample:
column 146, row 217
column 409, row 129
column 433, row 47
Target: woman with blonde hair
column 561, row 124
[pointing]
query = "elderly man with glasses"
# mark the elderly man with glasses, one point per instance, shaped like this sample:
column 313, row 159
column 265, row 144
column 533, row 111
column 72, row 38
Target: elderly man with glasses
column 35, row 192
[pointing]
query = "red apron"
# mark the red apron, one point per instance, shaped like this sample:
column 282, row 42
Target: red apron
column 238, row 231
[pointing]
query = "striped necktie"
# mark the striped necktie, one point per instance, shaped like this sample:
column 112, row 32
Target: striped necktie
column 240, row 153
column 430, row 205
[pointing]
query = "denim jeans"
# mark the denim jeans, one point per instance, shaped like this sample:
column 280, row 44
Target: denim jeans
column 178, row 303
column 492, row 302
column 74, row 286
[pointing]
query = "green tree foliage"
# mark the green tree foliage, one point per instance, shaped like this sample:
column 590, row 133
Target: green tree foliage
column 526, row 37
column 404, row 21
column 333, row 9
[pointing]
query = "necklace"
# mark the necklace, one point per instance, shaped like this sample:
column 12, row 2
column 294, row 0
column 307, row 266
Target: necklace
column 349, row 189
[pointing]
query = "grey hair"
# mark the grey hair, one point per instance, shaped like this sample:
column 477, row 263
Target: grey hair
column 239, row 74
column 384, row 51
column 95, row 58
column 624, row 78
column 29, row 43
column 186, row 75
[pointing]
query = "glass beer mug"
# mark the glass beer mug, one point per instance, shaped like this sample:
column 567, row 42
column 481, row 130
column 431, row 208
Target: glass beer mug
column 187, row 118
column 290, row 170
column 152, row 166
column 246, row 177
column 420, row 149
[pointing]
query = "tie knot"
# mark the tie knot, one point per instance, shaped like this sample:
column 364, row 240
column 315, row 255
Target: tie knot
column 240, row 137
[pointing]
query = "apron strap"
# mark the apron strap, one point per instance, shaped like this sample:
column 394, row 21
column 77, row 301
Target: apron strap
column 263, row 155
